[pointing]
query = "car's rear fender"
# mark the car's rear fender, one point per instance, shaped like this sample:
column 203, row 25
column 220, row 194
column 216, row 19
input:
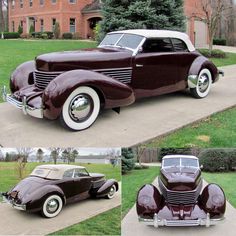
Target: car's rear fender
column 22, row 76
column 198, row 64
column 112, row 92
column 105, row 188
column 35, row 200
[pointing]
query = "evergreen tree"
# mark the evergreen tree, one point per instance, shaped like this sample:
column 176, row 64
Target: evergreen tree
column 142, row 14
column 128, row 160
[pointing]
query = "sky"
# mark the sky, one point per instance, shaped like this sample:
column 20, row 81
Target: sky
column 82, row 151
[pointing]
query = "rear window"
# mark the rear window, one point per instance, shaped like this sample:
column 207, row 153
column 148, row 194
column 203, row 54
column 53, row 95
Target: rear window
column 179, row 45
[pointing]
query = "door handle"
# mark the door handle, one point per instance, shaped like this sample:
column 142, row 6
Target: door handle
column 139, row 65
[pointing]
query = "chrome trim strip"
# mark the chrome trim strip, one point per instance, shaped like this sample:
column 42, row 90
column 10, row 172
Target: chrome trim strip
column 192, row 81
column 113, row 69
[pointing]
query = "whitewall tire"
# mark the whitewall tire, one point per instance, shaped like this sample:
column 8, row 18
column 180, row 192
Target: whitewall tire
column 112, row 192
column 52, row 206
column 81, row 109
column 203, row 86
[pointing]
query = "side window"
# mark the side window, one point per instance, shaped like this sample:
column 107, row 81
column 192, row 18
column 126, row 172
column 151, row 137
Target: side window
column 157, row 45
column 80, row 173
column 68, row 174
column 179, row 45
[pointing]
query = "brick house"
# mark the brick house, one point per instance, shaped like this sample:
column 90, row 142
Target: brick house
column 81, row 16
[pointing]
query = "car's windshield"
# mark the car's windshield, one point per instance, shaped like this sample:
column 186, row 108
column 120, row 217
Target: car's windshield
column 180, row 162
column 130, row 41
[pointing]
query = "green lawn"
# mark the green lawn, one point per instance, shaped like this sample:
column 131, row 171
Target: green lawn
column 15, row 52
column 226, row 181
column 8, row 176
column 215, row 131
column 132, row 182
column 229, row 60
column 107, row 223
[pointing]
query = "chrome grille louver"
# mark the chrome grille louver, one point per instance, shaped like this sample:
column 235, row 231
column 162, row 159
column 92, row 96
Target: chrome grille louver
column 180, row 197
column 42, row 79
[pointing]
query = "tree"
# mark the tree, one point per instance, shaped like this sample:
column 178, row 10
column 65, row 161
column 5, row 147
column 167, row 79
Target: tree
column 128, row 160
column 3, row 15
column 113, row 155
column 55, row 154
column 20, row 29
column 210, row 12
column 39, row 155
column 69, row 155
column 140, row 14
column 56, row 30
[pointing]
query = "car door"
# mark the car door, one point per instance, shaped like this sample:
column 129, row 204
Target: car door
column 155, row 68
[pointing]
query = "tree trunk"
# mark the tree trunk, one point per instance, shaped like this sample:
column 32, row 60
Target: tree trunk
column 2, row 21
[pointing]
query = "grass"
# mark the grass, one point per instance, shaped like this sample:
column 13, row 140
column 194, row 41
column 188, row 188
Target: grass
column 132, row 182
column 107, row 223
column 15, row 52
column 226, row 181
column 215, row 131
column 8, row 175
column 229, row 60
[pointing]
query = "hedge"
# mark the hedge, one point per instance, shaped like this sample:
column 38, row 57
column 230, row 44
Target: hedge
column 67, row 36
column 218, row 160
column 43, row 35
column 11, row 35
column 218, row 41
column 215, row 53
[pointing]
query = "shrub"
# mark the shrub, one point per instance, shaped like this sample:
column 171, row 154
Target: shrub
column 67, row 36
column 216, row 53
column 142, row 167
column 49, row 34
column 20, row 30
column 218, row 41
column 36, row 35
column 11, row 35
column 128, row 160
column 25, row 36
column 31, row 30
column 57, row 31
column 217, row 160
column 76, row 35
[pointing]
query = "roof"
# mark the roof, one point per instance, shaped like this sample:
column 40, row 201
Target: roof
column 151, row 33
column 94, row 6
column 53, row 171
column 179, row 156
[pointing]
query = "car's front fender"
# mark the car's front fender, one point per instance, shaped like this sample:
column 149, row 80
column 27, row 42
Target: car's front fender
column 22, row 76
column 112, row 92
column 105, row 188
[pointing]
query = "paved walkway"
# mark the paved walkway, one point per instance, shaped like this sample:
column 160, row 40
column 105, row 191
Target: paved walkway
column 142, row 121
column 131, row 226
column 225, row 48
column 14, row 222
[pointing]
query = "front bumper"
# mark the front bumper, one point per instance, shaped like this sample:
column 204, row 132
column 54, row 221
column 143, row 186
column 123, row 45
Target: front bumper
column 27, row 110
column 156, row 222
column 21, row 207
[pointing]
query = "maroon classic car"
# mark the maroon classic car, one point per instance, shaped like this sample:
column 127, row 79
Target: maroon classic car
column 180, row 200
column 50, row 187
column 127, row 65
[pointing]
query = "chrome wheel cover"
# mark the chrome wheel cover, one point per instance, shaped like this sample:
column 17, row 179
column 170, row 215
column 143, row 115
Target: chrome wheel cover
column 52, row 206
column 81, row 107
column 112, row 191
column 203, row 83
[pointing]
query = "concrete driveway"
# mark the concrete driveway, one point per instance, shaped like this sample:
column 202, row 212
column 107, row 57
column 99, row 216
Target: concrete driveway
column 131, row 226
column 14, row 222
column 144, row 120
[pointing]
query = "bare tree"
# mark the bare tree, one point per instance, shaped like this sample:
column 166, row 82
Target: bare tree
column 55, row 152
column 210, row 12
column 113, row 155
column 140, row 151
column 39, row 154
column 23, row 154
column 69, row 155
column 2, row 20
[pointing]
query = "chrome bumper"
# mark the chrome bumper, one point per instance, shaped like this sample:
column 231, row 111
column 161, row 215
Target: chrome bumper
column 156, row 222
column 27, row 110
column 20, row 207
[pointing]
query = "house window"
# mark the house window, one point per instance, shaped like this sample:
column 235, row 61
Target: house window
column 21, row 4
column 30, row 3
column 72, row 1
column 72, row 25
column 41, row 25
column 54, row 20
column 13, row 3
column 13, row 26
column 54, row 1
column 41, row 2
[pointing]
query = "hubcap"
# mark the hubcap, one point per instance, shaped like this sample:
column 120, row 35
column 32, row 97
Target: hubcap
column 81, row 107
column 203, row 83
column 112, row 191
column 52, row 206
